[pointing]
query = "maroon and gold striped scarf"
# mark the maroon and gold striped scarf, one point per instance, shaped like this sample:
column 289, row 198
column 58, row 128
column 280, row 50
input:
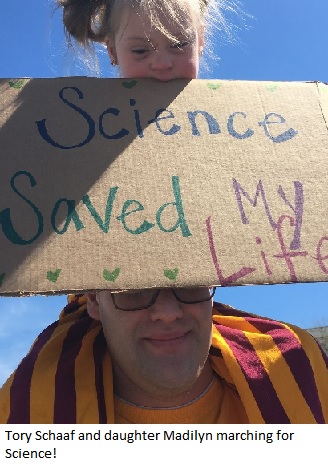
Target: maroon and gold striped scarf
column 279, row 371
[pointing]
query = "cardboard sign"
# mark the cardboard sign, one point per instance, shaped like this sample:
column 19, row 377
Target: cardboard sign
column 120, row 184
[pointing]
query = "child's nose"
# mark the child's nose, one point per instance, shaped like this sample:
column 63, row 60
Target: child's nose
column 161, row 60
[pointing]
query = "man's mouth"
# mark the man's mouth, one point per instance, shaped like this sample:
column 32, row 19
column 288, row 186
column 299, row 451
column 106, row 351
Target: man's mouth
column 168, row 340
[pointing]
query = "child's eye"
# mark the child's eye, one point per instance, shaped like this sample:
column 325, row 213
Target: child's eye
column 139, row 51
column 180, row 45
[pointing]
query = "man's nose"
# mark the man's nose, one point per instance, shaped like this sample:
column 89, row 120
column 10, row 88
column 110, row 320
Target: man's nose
column 166, row 308
column 161, row 60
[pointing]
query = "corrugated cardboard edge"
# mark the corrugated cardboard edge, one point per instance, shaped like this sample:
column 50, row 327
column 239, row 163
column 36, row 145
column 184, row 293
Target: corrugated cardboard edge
column 322, row 88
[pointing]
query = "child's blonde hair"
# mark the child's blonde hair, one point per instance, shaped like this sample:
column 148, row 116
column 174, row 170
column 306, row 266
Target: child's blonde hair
column 90, row 21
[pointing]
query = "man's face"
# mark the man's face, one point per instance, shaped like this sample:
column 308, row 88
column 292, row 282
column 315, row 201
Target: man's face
column 160, row 351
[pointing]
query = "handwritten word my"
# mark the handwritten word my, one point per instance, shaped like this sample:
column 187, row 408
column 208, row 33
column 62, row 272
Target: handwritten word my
column 260, row 193
column 163, row 117
column 130, row 207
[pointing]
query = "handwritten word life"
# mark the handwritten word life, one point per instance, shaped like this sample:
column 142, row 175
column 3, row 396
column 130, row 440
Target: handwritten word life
column 161, row 115
column 288, row 252
column 129, row 207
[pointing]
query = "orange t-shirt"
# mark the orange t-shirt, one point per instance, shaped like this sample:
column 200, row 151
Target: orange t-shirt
column 219, row 404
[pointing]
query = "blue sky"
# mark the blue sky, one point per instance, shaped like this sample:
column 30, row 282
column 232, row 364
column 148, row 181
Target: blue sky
column 283, row 40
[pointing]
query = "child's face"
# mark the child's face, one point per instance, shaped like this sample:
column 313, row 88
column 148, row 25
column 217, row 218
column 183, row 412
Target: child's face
column 143, row 51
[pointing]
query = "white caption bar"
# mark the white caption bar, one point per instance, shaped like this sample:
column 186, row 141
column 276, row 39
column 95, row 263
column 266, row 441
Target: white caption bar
column 64, row 444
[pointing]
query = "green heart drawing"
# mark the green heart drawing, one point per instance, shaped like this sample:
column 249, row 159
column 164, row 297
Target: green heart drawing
column 111, row 276
column 171, row 273
column 272, row 88
column 129, row 84
column 213, row 85
column 2, row 276
column 53, row 276
column 17, row 85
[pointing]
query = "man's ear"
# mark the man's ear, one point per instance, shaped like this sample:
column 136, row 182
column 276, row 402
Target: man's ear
column 111, row 52
column 93, row 306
